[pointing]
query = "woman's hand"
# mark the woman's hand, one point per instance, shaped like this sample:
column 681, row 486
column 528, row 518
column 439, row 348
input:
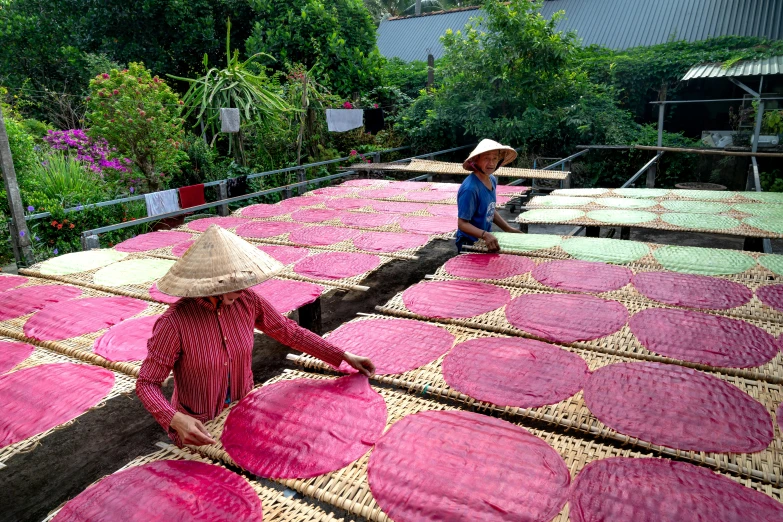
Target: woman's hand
column 491, row 242
column 362, row 364
column 191, row 431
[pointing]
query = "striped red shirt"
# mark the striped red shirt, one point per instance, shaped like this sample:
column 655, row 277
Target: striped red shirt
column 208, row 346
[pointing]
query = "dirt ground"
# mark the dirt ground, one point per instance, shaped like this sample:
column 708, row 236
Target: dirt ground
column 105, row 439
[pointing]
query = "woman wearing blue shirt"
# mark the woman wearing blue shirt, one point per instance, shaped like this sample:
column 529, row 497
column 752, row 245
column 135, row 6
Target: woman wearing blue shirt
column 476, row 196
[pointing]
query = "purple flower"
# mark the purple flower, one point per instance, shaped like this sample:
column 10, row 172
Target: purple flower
column 30, row 208
column 21, row 233
column 79, row 208
column 36, row 237
column 55, row 251
column 132, row 190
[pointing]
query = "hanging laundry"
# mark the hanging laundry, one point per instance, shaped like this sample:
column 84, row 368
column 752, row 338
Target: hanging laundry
column 342, row 120
column 192, row 196
column 373, row 120
column 237, row 186
column 229, row 120
column 162, row 202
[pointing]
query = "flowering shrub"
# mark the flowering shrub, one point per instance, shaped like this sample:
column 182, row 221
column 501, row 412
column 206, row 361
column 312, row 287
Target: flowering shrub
column 139, row 115
column 95, row 153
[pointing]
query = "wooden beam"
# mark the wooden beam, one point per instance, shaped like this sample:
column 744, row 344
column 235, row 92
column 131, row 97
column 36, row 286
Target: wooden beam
column 21, row 234
column 716, row 152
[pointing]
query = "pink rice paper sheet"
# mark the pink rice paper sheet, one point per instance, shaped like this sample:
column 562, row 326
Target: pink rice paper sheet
column 76, row 317
column 179, row 249
column 8, row 282
column 678, row 407
column 28, row 299
column 285, row 254
column 201, row 225
column 771, row 296
column 454, row 299
column 664, row 489
column 348, row 203
column 429, row 225
column 304, row 428
column 488, row 266
column 266, row 229
column 386, row 242
column 688, row 335
column 450, row 211
column 394, row 345
column 522, row 373
column 286, row 295
column 382, row 193
column 411, row 185
column 314, row 215
column 429, row 196
column 152, row 241
column 160, row 297
column 582, row 276
column 126, row 341
column 165, row 491
column 263, row 211
column 336, row 265
column 397, row 207
column 692, row 291
column 367, row 219
column 13, row 353
column 448, row 465
column 566, row 318
column 36, row 399
column 322, row 235
column 302, row 201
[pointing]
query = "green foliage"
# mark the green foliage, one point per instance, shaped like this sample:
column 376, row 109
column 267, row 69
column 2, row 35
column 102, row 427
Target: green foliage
column 641, row 73
column 64, row 180
column 772, row 181
column 337, row 39
column 409, row 77
column 381, row 9
column 236, row 86
column 139, row 115
column 772, row 122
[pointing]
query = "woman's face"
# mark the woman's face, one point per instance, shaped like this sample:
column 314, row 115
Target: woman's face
column 488, row 161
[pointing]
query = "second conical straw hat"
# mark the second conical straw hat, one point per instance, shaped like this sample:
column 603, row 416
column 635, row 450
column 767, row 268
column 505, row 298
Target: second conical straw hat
column 217, row 263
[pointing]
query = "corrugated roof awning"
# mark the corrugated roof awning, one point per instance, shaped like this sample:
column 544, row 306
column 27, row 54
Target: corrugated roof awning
column 763, row 67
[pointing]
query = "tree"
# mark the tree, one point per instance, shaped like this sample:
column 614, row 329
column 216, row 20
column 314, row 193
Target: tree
column 139, row 115
column 337, row 39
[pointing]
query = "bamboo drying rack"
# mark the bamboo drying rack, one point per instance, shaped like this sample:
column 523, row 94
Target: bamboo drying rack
column 673, row 194
column 442, row 167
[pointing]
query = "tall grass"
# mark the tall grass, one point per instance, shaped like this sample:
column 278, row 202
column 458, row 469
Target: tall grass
column 66, row 180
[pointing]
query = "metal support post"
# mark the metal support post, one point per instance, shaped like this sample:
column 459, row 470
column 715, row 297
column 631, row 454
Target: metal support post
column 567, row 182
column 223, row 192
column 310, row 316
column 301, row 177
column 90, row 242
column 757, row 130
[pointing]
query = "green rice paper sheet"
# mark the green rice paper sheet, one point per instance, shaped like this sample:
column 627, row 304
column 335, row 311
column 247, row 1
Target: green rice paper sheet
column 773, row 263
column 641, row 192
column 701, row 221
column 626, row 217
column 696, row 207
column 605, row 250
column 703, row 261
column 526, row 242
column 625, row 202
column 707, row 195
column 766, row 197
column 581, row 192
column 760, row 209
column 551, row 215
column 80, row 262
column 563, row 201
column 770, row 224
column 132, row 272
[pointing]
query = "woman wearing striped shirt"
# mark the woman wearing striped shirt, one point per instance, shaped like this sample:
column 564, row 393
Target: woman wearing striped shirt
column 206, row 338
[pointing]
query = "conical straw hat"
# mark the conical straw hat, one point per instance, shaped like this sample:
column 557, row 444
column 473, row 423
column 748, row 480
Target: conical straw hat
column 217, row 263
column 505, row 153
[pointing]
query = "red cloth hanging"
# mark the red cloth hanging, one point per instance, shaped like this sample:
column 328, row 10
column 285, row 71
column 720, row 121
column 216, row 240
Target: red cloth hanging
column 191, row 196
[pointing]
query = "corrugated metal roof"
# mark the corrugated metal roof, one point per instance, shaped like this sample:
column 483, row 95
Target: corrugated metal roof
column 763, row 67
column 631, row 23
column 617, row 24
column 413, row 38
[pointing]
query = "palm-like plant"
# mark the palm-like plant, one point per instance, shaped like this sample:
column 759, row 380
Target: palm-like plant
column 235, row 86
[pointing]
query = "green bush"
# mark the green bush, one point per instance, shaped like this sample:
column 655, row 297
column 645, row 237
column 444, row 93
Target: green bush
column 408, row 77
column 139, row 115
column 64, row 180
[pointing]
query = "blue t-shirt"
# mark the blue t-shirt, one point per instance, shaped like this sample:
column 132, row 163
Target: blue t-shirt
column 476, row 204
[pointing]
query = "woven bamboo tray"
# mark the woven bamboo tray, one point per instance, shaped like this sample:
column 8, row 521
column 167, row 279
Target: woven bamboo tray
column 442, row 167
column 572, row 413
column 502, row 200
column 123, row 384
column 675, row 194
column 742, row 229
column 622, row 343
column 348, row 488
column 756, row 270
column 655, row 205
column 755, row 309
column 80, row 347
column 276, row 506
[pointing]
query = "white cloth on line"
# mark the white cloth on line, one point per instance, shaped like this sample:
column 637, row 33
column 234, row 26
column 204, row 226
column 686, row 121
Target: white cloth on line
column 162, row 202
column 341, row 120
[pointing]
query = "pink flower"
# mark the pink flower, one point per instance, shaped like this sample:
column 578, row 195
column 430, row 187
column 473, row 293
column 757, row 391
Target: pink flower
column 105, row 76
column 375, row 105
column 115, row 92
column 353, row 153
column 347, row 105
